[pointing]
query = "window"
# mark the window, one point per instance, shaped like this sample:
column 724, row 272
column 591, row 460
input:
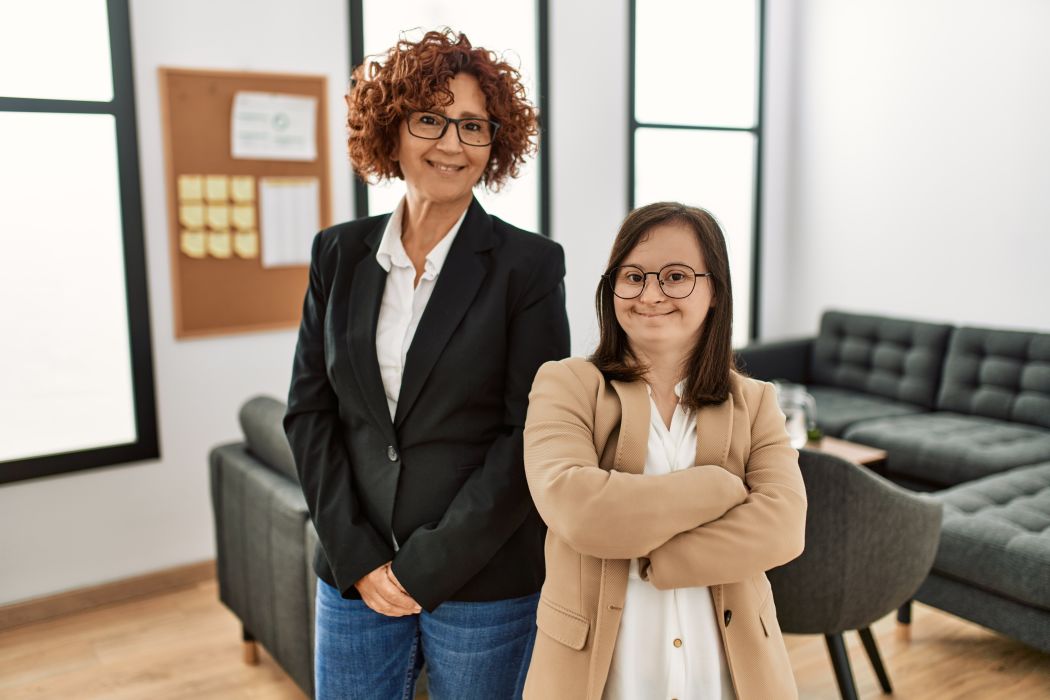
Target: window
column 517, row 31
column 77, row 373
column 695, row 124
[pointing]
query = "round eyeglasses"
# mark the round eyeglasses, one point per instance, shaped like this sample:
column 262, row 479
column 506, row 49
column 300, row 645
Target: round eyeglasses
column 471, row 131
column 677, row 281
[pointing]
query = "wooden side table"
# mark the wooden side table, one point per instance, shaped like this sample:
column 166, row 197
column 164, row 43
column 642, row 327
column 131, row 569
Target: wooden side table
column 850, row 451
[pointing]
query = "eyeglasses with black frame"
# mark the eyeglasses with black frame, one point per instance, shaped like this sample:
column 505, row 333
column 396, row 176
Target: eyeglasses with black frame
column 677, row 281
column 471, row 131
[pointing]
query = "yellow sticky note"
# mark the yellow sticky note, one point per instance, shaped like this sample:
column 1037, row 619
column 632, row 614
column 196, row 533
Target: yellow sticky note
column 218, row 216
column 246, row 245
column 191, row 215
column 219, row 245
column 191, row 243
column 242, row 188
column 191, row 188
column 243, row 216
column 216, row 188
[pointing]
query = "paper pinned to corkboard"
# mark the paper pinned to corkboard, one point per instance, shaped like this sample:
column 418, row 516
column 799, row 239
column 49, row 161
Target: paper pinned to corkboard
column 219, row 282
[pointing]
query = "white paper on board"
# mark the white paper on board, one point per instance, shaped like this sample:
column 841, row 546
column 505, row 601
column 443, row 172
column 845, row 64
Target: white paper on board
column 266, row 126
column 289, row 218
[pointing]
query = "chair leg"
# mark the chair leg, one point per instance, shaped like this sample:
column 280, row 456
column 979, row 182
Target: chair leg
column 876, row 659
column 840, row 662
column 904, row 613
column 251, row 651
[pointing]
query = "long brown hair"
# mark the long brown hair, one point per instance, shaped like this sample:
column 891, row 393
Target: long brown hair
column 711, row 360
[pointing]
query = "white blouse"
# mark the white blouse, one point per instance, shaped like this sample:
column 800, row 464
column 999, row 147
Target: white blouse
column 669, row 645
column 403, row 305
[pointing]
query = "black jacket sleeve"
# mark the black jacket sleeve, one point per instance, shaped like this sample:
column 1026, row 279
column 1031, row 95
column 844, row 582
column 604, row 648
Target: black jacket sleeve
column 439, row 558
column 352, row 546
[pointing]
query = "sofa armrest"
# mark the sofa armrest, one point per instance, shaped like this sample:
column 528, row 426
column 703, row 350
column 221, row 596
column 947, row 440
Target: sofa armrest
column 263, row 564
column 783, row 359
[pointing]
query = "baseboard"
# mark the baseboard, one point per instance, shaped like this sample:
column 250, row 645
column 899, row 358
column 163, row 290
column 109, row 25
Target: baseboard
column 75, row 601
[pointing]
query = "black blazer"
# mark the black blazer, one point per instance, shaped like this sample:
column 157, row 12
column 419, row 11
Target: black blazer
column 446, row 476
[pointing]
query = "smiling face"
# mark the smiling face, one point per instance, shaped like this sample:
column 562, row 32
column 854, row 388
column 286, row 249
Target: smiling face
column 444, row 171
column 653, row 322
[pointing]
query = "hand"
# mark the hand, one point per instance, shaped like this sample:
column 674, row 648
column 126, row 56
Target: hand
column 381, row 592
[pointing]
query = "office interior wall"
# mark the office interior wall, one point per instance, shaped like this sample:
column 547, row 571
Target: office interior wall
column 91, row 527
column 778, row 124
column 919, row 163
column 905, row 172
column 589, row 139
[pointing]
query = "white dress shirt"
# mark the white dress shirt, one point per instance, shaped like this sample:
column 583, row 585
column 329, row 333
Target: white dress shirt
column 669, row 645
column 403, row 305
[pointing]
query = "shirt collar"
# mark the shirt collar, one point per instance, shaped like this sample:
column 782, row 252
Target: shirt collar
column 392, row 252
column 678, row 389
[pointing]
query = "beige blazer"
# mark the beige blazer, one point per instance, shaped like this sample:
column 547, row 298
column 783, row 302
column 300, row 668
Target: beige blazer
column 722, row 524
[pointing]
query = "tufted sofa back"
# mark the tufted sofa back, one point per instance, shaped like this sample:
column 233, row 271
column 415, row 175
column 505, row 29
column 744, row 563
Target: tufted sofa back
column 889, row 357
column 998, row 374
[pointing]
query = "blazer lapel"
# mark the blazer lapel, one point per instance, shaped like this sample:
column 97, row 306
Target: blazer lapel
column 457, row 285
column 366, row 295
column 633, row 442
column 714, row 431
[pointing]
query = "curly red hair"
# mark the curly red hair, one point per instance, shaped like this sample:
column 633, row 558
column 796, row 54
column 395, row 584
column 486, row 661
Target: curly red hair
column 415, row 76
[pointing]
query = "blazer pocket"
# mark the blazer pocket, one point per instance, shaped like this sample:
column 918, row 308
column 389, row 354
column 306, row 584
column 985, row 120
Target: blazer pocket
column 562, row 625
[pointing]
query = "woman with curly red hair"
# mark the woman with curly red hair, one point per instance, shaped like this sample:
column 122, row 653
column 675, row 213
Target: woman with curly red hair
column 421, row 332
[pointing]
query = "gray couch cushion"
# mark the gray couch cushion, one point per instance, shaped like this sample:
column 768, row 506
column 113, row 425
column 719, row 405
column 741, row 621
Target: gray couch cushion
column 892, row 358
column 998, row 374
column 996, row 534
column 948, row 448
column 837, row 409
column 262, row 422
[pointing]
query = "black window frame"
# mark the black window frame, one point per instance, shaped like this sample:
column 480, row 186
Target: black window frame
column 357, row 57
column 136, row 289
column 756, row 130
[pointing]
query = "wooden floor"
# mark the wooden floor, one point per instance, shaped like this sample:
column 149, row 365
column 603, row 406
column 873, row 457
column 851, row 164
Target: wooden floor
column 184, row 644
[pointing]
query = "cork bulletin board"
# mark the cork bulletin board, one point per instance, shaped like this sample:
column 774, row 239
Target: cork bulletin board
column 225, row 276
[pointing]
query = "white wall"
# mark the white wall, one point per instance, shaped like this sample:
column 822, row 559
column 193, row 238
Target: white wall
column 920, row 164
column 82, row 529
column 589, row 135
column 69, row 531
column 778, row 113
column 906, row 172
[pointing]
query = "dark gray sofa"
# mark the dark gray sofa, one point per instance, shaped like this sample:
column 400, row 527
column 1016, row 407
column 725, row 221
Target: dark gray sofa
column 962, row 412
column 993, row 562
column 265, row 540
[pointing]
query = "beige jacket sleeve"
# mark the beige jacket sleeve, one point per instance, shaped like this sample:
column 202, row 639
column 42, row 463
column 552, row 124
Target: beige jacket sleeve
column 766, row 530
column 600, row 513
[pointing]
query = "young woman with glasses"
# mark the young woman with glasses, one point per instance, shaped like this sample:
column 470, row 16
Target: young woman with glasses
column 421, row 333
column 668, row 483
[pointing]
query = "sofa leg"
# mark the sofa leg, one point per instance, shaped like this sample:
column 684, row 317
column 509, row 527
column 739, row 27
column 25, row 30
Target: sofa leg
column 251, row 651
column 876, row 659
column 840, row 662
column 904, row 613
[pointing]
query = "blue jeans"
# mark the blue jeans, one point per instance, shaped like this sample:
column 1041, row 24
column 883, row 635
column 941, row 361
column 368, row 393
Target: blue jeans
column 472, row 650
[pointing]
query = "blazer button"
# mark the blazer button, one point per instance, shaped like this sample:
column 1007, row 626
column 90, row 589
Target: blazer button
column 391, row 453
column 728, row 616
